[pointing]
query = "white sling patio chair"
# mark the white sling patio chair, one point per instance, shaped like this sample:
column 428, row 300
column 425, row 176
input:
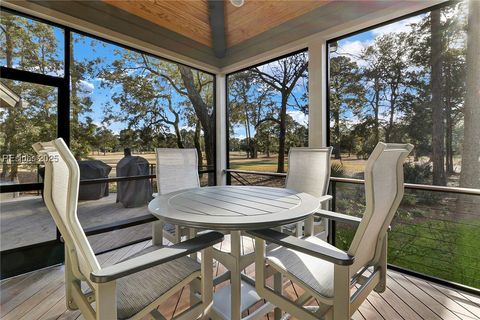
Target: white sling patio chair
column 176, row 169
column 340, row 281
column 309, row 171
column 134, row 287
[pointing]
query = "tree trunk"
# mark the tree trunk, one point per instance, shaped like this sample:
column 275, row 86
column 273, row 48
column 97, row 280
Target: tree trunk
column 207, row 120
column 196, row 141
column 449, row 138
column 376, row 107
column 438, row 130
column 282, row 134
column 337, row 135
column 470, row 175
column 178, row 133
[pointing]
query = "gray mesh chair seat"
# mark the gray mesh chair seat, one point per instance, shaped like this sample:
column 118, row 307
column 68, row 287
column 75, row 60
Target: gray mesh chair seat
column 311, row 272
column 137, row 291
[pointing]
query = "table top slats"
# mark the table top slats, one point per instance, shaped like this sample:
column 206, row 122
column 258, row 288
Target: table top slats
column 276, row 203
column 233, row 207
column 213, row 209
column 286, row 199
column 249, row 202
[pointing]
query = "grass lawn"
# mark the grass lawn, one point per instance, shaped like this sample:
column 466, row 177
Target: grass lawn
column 446, row 250
column 238, row 160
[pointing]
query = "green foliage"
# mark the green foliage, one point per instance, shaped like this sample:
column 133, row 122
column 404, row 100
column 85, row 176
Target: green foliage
column 419, row 173
column 432, row 237
column 337, row 170
column 384, row 92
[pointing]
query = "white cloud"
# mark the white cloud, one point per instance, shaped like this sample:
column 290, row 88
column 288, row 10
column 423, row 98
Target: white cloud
column 86, row 87
column 299, row 117
column 397, row 27
column 353, row 48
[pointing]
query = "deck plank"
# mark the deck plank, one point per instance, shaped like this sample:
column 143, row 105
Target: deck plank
column 368, row 311
column 409, row 299
column 450, row 299
column 439, row 309
column 41, row 295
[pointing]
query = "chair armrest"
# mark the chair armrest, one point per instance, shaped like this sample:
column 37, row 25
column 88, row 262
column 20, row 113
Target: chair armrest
column 156, row 257
column 312, row 249
column 325, row 198
column 338, row 217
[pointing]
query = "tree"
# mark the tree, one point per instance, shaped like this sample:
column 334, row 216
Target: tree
column 438, row 115
column 27, row 45
column 346, row 93
column 282, row 76
column 80, row 97
column 247, row 98
column 106, row 140
column 470, row 174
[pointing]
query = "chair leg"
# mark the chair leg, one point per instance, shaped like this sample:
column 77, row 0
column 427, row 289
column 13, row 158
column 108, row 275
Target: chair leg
column 157, row 233
column 69, row 280
column 278, row 288
column 106, row 301
column 382, row 285
column 341, row 287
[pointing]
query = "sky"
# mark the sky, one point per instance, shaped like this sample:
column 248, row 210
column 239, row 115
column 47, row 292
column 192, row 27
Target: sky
column 351, row 46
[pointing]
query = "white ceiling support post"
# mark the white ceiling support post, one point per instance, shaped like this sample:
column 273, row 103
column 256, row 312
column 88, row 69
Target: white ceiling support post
column 221, row 129
column 317, row 95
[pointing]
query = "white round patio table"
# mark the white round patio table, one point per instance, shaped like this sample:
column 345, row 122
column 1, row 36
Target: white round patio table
column 234, row 209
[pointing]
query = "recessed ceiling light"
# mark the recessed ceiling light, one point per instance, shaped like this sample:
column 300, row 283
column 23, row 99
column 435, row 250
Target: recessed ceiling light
column 237, row 3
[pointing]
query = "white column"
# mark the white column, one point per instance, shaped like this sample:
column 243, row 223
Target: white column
column 221, row 149
column 317, row 76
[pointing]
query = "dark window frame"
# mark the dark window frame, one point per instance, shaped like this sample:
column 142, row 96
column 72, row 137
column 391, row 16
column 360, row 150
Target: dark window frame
column 47, row 253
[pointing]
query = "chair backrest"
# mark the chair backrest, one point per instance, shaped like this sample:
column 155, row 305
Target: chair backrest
column 383, row 192
column 309, row 170
column 61, row 183
column 177, row 169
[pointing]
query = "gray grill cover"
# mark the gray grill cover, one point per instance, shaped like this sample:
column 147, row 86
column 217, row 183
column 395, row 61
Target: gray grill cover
column 133, row 193
column 93, row 169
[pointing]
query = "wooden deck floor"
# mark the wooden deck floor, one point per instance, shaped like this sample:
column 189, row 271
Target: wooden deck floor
column 40, row 295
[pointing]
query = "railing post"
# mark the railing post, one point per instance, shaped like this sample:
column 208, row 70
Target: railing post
column 332, row 223
column 229, row 178
column 38, row 177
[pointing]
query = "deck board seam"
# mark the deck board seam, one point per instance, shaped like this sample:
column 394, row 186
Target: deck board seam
column 391, row 306
column 454, row 300
column 416, row 298
column 371, row 304
column 429, row 294
column 400, row 298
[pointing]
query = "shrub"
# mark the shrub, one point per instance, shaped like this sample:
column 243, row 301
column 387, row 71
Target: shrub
column 420, row 173
column 337, row 170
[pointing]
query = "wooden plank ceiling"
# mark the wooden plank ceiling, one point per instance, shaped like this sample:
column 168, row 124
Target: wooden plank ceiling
column 190, row 17
column 186, row 17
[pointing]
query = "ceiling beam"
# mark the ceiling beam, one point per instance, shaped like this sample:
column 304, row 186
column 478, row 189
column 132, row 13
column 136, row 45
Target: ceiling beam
column 216, row 17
